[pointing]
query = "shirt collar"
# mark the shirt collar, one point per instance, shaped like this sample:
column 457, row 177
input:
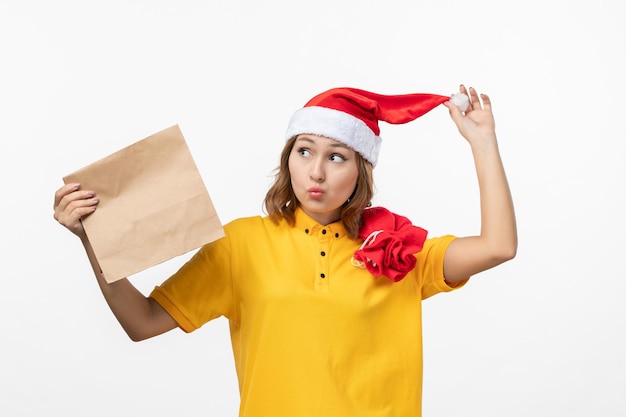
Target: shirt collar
column 309, row 226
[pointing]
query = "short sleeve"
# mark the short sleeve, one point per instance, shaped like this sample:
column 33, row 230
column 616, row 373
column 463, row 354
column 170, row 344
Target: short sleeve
column 200, row 290
column 430, row 267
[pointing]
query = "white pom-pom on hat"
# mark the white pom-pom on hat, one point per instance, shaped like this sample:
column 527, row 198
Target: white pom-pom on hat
column 461, row 101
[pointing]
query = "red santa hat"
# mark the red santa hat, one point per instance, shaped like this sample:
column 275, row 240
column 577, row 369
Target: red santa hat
column 351, row 116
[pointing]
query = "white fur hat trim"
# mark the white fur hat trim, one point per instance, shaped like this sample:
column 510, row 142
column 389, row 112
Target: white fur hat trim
column 337, row 125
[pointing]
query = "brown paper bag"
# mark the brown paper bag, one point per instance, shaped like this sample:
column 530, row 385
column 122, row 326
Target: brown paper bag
column 153, row 205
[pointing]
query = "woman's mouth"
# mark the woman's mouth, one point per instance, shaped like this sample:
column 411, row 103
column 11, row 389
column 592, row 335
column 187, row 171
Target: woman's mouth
column 315, row 192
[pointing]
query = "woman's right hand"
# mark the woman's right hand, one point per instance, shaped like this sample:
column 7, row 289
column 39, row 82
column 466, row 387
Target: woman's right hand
column 71, row 204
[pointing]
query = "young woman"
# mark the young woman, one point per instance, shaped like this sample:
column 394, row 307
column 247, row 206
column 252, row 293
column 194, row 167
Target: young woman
column 323, row 296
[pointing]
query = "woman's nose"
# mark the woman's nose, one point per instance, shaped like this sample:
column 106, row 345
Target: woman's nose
column 317, row 171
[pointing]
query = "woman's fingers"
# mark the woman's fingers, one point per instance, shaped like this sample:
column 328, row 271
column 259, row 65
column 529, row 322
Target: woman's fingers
column 486, row 102
column 72, row 204
column 62, row 192
column 70, row 197
column 473, row 95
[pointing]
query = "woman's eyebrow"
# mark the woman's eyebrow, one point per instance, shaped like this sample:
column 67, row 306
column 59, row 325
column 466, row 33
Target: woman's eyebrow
column 333, row 144
column 340, row 145
column 304, row 138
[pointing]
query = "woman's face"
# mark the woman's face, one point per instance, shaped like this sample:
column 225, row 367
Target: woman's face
column 323, row 176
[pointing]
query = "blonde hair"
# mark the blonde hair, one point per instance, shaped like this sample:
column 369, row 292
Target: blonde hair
column 281, row 202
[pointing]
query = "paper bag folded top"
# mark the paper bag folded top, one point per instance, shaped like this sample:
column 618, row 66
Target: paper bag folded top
column 153, row 205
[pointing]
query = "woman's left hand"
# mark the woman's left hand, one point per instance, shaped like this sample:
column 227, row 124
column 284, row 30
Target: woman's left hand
column 477, row 123
column 497, row 241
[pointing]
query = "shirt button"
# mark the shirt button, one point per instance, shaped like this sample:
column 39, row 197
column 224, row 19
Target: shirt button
column 306, row 230
column 323, row 275
column 324, row 231
column 323, row 253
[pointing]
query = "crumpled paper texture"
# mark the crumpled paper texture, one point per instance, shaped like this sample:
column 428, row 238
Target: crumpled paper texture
column 153, row 205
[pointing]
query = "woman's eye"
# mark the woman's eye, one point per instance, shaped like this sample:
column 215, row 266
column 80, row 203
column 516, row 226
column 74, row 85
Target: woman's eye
column 304, row 152
column 337, row 158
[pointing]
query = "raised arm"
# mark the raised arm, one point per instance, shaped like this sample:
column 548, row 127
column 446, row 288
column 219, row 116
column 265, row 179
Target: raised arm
column 140, row 316
column 497, row 241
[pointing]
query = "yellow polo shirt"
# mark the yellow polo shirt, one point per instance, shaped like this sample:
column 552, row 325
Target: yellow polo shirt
column 312, row 334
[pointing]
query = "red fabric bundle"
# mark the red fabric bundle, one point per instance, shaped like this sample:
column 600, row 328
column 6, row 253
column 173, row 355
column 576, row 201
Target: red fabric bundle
column 390, row 242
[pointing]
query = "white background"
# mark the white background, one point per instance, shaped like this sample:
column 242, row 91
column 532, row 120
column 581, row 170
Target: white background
column 542, row 335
